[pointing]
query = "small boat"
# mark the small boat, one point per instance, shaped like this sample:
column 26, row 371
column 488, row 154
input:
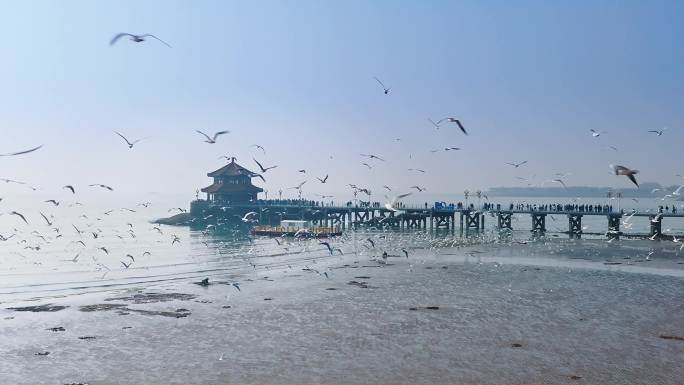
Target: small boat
column 290, row 228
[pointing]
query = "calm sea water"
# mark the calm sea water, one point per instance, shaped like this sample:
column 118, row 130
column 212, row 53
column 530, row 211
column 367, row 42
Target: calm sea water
column 43, row 259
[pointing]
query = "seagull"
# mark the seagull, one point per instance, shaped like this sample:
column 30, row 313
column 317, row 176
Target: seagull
column 19, row 215
column 54, row 202
column 433, row 123
column 595, row 133
column 135, row 38
column 677, row 192
column 46, row 219
column 387, row 187
column 323, row 180
column 212, row 140
column 385, row 89
column 658, row 132
column 370, row 241
column 405, row 252
column 392, row 202
column 259, row 147
column 237, row 286
column 101, row 185
column 263, row 169
column 22, row 152
column 560, row 181
column 303, row 171
column 126, row 265
column 420, row 189
column 371, row 156
column 129, row 143
column 417, row 169
column 326, row 244
column 454, row 120
column 299, row 186
column 367, row 165
column 71, row 188
column 248, row 217
column 516, row 165
column 451, row 148
column 622, row 170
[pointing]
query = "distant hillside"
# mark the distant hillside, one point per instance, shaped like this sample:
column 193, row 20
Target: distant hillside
column 645, row 191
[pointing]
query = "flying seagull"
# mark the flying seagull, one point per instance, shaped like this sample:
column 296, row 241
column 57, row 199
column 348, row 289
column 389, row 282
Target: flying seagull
column 595, row 133
column 622, row 170
column 20, row 216
column 385, row 89
column 454, row 120
column 451, row 148
column 101, row 185
column 135, row 38
column 392, row 202
column 658, row 132
column 129, row 143
column 259, row 147
column 263, row 169
column 212, row 140
column 420, row 189
column 433, row 123
column 71, row 188
column 371, row 156
column 299, row 186
column 516, row 165
column 560, row 181
column 22, row 152
column 323, row 180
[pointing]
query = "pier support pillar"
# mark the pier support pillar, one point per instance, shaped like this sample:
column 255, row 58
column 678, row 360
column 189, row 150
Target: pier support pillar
column 472, row 221
column 575, row 225
column 538, row 223
column 504, row 221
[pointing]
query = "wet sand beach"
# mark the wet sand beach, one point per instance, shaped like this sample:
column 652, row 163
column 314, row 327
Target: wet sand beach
column 440, row 316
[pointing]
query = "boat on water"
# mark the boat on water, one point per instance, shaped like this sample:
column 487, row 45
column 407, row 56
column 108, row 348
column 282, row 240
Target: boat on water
column 290, row 228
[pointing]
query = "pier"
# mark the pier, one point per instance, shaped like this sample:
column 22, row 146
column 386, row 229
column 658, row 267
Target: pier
column 469, row 221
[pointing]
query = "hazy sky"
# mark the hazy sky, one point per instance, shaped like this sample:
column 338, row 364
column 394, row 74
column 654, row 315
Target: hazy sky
column 528, row 80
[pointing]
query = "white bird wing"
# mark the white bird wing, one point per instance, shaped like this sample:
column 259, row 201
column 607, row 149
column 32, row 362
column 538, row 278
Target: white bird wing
column 154, row 37
column 381, row 84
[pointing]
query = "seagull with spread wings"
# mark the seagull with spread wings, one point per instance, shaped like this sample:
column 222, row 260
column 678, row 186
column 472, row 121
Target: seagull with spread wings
column 323, row 180
column 389, row 205
column 135, row 38
column 516, row 165
column 263, row 169
column 129, row 143
column 371, row 156
column 212, row 140
column 622, row 170
column 454, row 120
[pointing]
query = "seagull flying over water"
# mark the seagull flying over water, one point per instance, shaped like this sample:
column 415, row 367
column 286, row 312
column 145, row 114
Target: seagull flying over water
column 135, row 38
column 385, row 89
column 392, row 202
column 22, row 152
column 454, row 120
column 212, row 140
column 129, row 143
column 622, row 170
column 263, row 169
